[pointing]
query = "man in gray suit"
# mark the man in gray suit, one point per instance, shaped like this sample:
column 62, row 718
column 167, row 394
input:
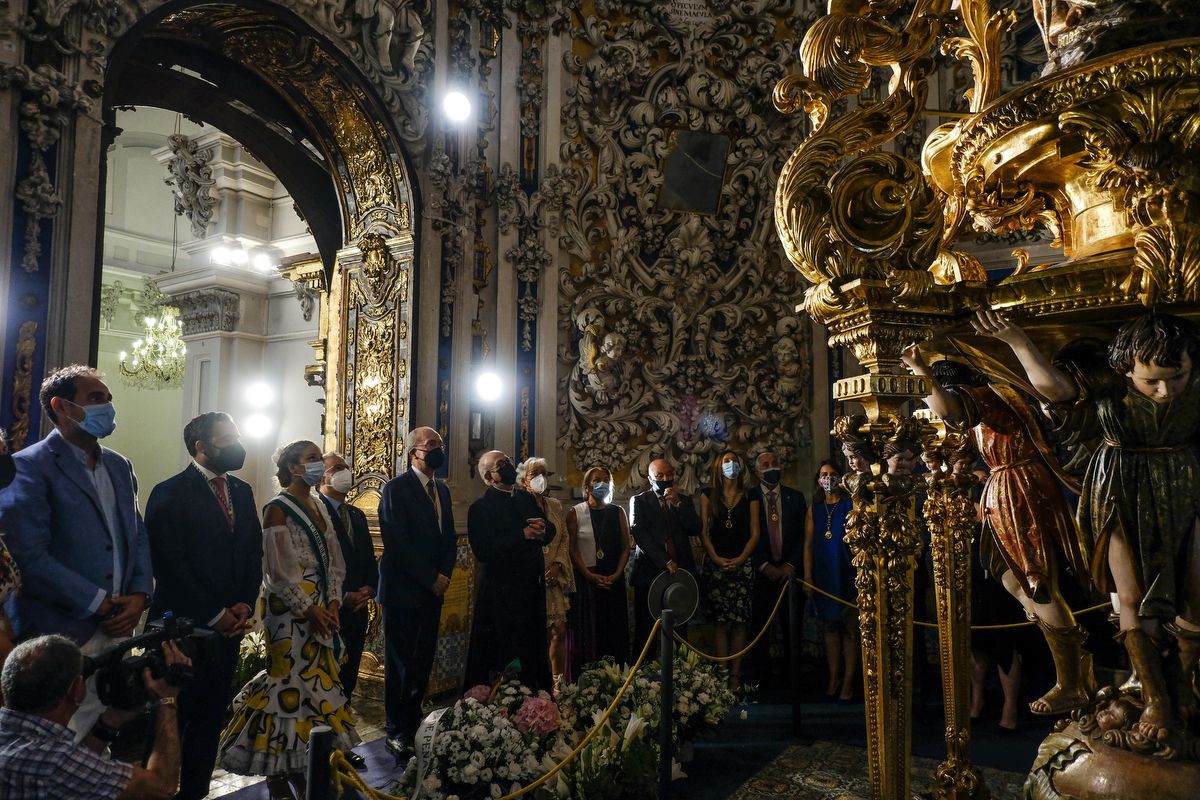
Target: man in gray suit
column 72, row 522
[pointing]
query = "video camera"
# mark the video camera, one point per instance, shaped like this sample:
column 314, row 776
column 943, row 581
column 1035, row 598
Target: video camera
column 118, row 670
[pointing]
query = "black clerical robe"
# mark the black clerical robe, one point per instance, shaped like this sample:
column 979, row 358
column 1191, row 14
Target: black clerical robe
column 510, row 602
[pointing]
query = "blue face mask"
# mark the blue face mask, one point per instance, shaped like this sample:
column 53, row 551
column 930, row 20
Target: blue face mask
column 98, row 420
column 731, row 469
column 313, row 472
column 601, row 491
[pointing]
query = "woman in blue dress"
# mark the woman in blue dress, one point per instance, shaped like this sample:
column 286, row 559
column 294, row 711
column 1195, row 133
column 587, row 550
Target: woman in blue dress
column 827, row 566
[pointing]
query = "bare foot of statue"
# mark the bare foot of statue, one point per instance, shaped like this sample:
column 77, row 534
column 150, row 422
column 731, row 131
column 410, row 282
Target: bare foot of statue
column 1155, row 719
column 1059, row 701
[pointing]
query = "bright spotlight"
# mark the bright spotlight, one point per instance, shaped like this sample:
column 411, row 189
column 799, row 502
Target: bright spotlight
column 239, row 256
column 259, row 394
column 262, row 262
column 488, row 387
column 221, row 255
column 257, row 426
column 456, row 106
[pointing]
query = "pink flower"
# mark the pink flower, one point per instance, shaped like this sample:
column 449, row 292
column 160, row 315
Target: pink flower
column 537, row 716
column 482, row 693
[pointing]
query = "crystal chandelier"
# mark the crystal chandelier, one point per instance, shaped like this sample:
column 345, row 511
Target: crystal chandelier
column 157, row 360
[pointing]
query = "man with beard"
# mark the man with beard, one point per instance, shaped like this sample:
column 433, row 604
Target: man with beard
column 206, row 542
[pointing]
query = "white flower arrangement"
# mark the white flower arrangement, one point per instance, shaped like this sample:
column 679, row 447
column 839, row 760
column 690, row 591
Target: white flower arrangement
column 496, row 740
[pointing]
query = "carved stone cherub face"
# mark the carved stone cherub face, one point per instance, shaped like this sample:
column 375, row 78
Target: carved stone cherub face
column 613, row 346
column 785, row 352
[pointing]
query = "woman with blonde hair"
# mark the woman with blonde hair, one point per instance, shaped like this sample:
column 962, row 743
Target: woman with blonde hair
column 276, row 710
column 730, row 532
column 560, row 580
column 600, row 544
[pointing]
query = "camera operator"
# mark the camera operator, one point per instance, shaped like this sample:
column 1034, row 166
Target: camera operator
column 43, row 685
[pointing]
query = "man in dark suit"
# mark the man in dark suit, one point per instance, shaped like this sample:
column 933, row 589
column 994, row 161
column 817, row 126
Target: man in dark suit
column 416, row 523
column 507, row 530
column 361, row 583
column 662, row 521
column 777, row 556
column 206, row 543
column 71, row 519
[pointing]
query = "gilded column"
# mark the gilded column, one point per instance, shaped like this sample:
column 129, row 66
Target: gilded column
column 950, row 515
column 864, row 227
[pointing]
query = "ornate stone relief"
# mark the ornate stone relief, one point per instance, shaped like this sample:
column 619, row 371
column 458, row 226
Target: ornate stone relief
column 208, row 311
column 22, row 394
column 51, row 100
column 190, row 181
column 390, row 41
column 677, row 331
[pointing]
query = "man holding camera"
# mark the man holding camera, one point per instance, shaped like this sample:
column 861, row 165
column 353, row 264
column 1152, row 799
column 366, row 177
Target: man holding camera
column 206, row 543
column 44, row 686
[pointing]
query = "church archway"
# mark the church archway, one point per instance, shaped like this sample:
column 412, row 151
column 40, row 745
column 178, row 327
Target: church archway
column 266, row 77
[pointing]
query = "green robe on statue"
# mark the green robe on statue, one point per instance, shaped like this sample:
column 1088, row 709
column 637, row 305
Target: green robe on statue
column 1144, row 479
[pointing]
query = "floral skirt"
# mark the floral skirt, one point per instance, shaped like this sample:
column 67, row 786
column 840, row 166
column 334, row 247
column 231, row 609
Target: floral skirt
column 275, row 712
column 557, row 604
column 728, row 593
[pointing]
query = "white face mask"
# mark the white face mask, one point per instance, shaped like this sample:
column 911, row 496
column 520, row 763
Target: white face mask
column 341, row 481
column 538, row 484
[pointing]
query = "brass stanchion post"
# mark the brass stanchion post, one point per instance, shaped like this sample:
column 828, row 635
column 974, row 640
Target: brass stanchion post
column 667, row 659
column 794, row 619
column 317, row 773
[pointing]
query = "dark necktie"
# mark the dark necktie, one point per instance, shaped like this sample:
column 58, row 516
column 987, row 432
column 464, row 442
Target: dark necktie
column 222, row 495
column 344, row 516
column 431, row 490
column 668, row 528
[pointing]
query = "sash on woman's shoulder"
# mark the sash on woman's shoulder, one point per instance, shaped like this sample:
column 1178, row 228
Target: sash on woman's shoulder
column 316, row 539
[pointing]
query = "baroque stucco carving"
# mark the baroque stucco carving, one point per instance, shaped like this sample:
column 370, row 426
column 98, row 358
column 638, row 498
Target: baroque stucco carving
column 390, row 41
column 677, row 335
column 190, row 181
column 208, row 311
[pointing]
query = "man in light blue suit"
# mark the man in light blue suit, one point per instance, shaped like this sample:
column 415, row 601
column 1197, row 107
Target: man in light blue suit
column 72, row 523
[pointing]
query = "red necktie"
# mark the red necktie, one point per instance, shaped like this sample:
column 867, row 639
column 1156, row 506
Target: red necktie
column 773, row 528
column 218, row 485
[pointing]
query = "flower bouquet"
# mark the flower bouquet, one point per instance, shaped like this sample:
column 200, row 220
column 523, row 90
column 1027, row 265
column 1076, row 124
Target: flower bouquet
column 616, row 766
column 493, row 741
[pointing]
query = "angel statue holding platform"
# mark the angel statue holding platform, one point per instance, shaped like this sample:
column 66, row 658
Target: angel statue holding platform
column 1027, row 522
column 1139, row 506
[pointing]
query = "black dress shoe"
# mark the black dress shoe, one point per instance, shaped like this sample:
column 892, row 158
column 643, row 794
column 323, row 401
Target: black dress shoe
column 355, row 760
column 399, row 748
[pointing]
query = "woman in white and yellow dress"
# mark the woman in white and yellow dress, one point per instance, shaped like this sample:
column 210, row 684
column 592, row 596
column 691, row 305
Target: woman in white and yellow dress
column 303, row 568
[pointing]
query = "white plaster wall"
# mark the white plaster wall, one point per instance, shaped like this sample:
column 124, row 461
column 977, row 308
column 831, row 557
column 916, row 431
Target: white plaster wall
column 149, row 422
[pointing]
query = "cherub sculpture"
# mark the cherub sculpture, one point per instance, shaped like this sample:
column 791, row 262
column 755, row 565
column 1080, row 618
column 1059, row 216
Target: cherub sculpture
column 1140, row 497
column 1027, row 523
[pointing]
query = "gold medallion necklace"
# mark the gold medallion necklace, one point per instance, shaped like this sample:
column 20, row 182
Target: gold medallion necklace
column 829, row 519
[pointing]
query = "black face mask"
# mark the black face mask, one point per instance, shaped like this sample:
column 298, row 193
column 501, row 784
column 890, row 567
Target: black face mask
column 435, row 458
column 662, row 486
column 506, row 473
column 8, row 469
column 771, row 476
column 225, row 459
